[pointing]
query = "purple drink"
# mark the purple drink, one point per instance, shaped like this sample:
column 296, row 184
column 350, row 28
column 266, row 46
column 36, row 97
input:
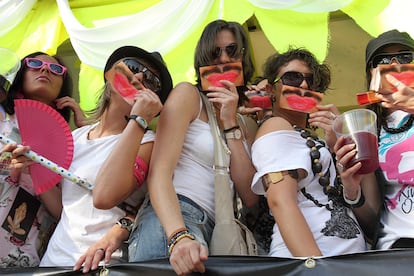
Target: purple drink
column 367, row 151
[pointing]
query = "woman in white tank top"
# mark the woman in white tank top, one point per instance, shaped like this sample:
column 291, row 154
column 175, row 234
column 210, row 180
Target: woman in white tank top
column 181, row 177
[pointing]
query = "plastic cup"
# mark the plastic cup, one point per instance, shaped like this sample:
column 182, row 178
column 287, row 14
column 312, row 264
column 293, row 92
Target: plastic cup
column 359, row 126
column 9, row 66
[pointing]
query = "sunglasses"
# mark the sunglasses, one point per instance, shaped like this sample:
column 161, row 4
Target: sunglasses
column 401, row 57
column 231, row 51
column 36, row 63
column 295, row 79
column 150, row 79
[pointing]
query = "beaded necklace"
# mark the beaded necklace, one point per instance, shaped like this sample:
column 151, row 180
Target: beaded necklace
column 400, row 129
column 334, row 193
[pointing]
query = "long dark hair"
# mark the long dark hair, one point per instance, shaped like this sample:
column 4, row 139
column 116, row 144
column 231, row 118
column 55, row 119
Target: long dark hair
column 17, row 87
column 206, row 46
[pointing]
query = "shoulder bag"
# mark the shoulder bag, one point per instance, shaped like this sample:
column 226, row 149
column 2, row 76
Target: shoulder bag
column 230, row 236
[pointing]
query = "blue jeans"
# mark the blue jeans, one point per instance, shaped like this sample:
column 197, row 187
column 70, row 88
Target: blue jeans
column 148, row 240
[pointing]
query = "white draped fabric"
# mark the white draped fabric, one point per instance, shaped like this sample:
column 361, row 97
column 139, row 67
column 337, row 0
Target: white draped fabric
column 302, row 5
column 176, row 18
column 12, row 12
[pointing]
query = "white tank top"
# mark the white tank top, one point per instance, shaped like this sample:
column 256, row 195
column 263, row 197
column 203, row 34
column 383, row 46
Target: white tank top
column 194, row 174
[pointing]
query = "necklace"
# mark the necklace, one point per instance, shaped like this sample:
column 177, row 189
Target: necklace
column 333, row 192
column 400, row 129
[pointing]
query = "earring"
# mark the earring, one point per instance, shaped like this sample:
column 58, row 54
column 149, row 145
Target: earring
column 273, row 99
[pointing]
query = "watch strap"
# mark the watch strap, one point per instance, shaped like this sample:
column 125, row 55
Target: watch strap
column 227, row 130
column 234, row 133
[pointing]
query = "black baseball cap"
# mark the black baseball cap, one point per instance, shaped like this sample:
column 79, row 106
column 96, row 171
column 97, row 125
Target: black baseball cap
column 387, row 38
column 154, row 58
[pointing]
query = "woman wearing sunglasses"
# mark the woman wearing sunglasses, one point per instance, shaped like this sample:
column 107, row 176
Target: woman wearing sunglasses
column 86, row 235
column 45, row 78
column 178, row 220
column 295, row 169
column 392, row 47
column 24, row 237
column 396, row 140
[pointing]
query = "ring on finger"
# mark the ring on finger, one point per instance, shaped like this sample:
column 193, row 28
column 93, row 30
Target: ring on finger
column 340, row 167
column 333, row 116
column 99, row 249
column 397, row 84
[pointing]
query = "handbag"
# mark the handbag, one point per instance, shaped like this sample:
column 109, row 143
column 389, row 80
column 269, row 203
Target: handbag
column 230, row 236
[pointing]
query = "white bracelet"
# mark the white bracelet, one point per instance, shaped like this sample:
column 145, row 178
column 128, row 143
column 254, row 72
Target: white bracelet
column 356, row 200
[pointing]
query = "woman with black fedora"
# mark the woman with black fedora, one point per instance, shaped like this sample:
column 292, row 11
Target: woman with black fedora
column 85, row 235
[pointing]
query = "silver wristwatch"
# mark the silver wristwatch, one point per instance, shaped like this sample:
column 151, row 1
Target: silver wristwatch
column 140, row 121
column 125, row 223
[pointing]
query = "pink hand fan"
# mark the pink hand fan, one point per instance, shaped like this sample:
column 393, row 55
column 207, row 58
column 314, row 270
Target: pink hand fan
column 48, row 134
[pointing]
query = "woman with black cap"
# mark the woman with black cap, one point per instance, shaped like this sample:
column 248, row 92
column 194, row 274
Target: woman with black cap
column 396, row 145
column 82, row 227
column 396, row 139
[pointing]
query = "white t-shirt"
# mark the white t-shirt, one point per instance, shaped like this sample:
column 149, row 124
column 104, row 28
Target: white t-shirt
column 81, row 224
column 335, row 232
column 396, row 156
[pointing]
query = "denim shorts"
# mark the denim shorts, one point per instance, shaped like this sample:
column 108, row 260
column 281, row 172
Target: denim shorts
column 148, row 240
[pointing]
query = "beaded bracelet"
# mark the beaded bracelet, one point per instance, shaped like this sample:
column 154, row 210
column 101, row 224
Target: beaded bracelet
column 176, row 235
column 356, row 203
column 178, row 238
column 176, row 232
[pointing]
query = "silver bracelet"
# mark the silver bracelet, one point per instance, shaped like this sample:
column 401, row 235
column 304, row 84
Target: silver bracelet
column 355, row 201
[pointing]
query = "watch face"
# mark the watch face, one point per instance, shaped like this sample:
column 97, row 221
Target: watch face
column 126, row 223
column 142, row 122
column 234, row 134
column 237, row 134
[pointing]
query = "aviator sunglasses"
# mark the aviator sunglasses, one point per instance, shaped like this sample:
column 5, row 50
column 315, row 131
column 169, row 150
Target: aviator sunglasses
column 231, row 51
column 401, row 57
column 295, row 79
column 150, row 80
column 36, row 63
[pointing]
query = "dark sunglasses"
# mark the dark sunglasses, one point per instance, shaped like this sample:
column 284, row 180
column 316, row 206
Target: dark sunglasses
column 150, row 79
column 231, row 51
column 295, row 79
column 401, row 57
column 36, row 63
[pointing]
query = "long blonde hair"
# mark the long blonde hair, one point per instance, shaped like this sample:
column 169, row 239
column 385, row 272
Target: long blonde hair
column 103, row 103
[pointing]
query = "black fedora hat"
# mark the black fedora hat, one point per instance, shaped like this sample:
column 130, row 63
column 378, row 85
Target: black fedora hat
column 155, row 58
column 387, row 38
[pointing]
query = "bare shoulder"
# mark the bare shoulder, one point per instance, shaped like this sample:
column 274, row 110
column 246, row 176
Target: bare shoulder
column 273, row 124
column 183, row 91
column 184, row 87
column 183, row 99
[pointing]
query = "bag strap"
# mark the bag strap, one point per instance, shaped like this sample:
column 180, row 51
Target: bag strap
column 222, row 191
column 221, row 151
